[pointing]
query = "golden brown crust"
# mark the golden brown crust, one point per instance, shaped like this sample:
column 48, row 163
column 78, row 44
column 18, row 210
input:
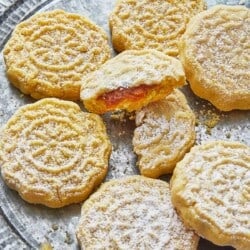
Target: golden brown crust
column 165, row 132
column 214, row 52
column 150, row 70
column 147, row 24
column 210, row 190
column 47, row 55
column 133, row 213
column 54, row 154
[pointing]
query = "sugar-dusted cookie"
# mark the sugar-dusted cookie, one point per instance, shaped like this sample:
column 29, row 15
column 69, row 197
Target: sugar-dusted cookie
column 49, row 54
column 148, row 24
column 131, row 80
column 215, row 51
column 165, row 132
column 133, row 213
column 52, row 153
column 210, row 189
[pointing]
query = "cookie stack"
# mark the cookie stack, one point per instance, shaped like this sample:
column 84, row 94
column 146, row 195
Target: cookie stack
column 55, row 154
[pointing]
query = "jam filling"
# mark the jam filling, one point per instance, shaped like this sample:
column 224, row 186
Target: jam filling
column 113, row 98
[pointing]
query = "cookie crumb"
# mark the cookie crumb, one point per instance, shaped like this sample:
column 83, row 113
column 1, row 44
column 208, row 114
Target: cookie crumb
column 208, row 119
column 208, row 131
column 122, row 115
column 68, row 240
column 54, row 227
column 46, row 246
column 118, row 115
column 197, row 122
column 212, row 119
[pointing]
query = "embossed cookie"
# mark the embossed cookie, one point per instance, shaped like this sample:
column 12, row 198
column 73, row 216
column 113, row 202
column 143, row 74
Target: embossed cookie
column 54, row 154
column 165, row 132
column 49, row 54
column 131, row 80
column 215, row 54
column 210, row 189
column 148, row 24
column 133, row 213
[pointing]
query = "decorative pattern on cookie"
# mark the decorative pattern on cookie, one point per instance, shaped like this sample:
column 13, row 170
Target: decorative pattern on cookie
column 133, row 213
column 54, row 154
column 148, row 24
column 215, row 51
column 49, row 54
column 165, row 132
column 131, row 80
column 210, row 189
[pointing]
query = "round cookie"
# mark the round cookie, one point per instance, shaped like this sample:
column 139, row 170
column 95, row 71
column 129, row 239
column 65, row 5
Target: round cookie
column 131, row 80
column 54, row 154
column 215, row 53
column 210, row 190
column 133, row 213
column 49, row 54
column 165, row 132
column 148, row 24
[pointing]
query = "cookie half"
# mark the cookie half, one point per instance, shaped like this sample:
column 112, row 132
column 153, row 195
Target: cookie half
column 215, row 53
column 165, row 132
column 54, row 154
column 131, row 80
column 210, row 189
column 133, row 213
column 49, row 54
column 148, row 24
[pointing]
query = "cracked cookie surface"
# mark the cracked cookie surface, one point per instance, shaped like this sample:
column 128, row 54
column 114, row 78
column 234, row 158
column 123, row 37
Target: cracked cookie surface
column 131, row 80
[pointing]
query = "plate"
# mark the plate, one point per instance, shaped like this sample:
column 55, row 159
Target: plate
column 26, row 226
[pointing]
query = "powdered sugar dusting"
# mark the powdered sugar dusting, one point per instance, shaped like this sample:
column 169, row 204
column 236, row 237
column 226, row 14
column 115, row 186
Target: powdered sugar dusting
column 136, row 213
column 216, row 175
column 164, row 134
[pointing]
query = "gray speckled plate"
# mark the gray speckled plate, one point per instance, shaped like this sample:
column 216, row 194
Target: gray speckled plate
column 25, row 226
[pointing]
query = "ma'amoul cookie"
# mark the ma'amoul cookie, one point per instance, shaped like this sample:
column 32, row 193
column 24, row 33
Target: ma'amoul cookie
column 210, row 189
column 148, row 24
column 49, row 54
column 133, row 213
column 131, row 80
column 165, row 132
column 215, row 53
column 54, row 154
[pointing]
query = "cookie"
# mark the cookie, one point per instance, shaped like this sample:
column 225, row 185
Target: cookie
column 49, row 54
column 165, row 132
column 54, row 154
column 133, row 213
column 215, row 53
column 131, row 80
column 148, row 24
column 210, row 189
